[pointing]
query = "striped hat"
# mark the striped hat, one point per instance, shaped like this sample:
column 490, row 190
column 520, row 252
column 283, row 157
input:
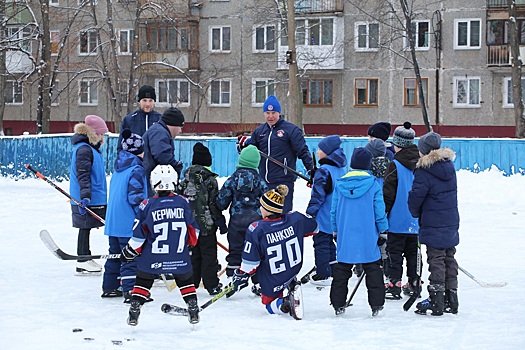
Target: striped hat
column 273, row 200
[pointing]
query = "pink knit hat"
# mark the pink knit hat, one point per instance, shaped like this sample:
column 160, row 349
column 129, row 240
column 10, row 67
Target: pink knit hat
column 96, row 123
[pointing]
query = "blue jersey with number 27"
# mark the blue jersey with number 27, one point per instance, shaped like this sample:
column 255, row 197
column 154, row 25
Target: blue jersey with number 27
column 275, row 249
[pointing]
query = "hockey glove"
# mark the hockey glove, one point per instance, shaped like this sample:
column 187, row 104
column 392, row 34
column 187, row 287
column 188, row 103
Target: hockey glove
column 239, row 281
column 83, row 205
column 241, row 142
column 128, row 254
column 221, row 224
column 311, row 173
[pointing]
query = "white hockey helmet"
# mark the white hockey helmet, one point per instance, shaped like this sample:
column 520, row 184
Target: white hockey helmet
column 164, row 178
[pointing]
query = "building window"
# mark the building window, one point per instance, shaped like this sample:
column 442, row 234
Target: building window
column 173, row 92
column 366, row 36
column 366, row 91
column 467, row 34
column 467, row 92
column 53, row 2
column 20, row 37
column 264, row 39
column 220, row 39
column 262, row 88
column 508, row 99
column 160, row 37
column 318, row 92
column 497, row 32
column 88, row 43
column 13, row 92
column 311, row 31
column 411, row 91
column 88, row 94
column 55, row 41
column 420, row 30
column 220, row 92
column 126, row 37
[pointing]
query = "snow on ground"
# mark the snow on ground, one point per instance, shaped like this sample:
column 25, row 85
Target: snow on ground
column 42, row 300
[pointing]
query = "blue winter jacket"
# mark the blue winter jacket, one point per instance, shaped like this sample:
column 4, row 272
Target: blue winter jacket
column 358, row 215
column 399, row 218
column 332, row 167
column 434, row 199
column 127, row 189
column 285, row 142
column 138, row 122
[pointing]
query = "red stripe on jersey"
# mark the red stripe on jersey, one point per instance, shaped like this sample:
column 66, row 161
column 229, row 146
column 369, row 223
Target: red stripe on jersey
column 192, row 238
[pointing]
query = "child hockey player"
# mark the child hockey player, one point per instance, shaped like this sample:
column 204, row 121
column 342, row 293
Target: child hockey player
column 241, row 192
column 200, row 187
column 358, row 215
column 128, row 188
column 163, row 229
column 403, row 228
column 434, row 200
column 332, row 162
column 274, row 248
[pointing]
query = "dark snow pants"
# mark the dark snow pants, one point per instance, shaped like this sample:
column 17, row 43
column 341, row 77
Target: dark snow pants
column 443, row 267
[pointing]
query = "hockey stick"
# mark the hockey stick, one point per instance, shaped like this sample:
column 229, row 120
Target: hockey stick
column 59, row 253
column 481, row 283
column 349, row 302
column 40, row 175
column 419, row 269
column 180, row 311
column 284, row 166
column 223, row 247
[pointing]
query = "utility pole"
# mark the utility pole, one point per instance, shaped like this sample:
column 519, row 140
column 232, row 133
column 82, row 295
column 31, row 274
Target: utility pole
column 295, row 102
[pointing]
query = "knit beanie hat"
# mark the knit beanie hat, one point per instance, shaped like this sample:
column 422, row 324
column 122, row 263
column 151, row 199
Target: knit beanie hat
column 429, row 142
column 273, row 200
column 201, row 155
column 132, row 142
column 96, row 123
column 380, row 130
column 249, row 158
column 404, row 135
column 330, row 144
column 272, row 104
column 173, row 116
column 361, row 159
column 147, row 91
column 376, row 147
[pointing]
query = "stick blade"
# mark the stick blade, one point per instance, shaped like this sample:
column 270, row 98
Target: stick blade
column 492, row 284
column 53, row 248
column 408, row 304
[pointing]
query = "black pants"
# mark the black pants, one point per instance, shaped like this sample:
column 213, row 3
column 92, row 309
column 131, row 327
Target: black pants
column 342, row 272
column 204, row 261
column 83, row 243
column 144, row 282
column 443, row 267
column 401, row 246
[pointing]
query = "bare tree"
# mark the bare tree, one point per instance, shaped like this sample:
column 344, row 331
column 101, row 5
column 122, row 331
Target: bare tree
column 517, row 63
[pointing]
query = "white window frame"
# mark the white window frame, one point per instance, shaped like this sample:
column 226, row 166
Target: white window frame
column 469, row 21
column 92, row 101
column 466, row 104
column 222, row 93
column 53, row 2
column 507, row 93
column 56, row 32
column 268, row 86
column 20, row 36
column 356, row 37
column 129, row 35
column 90, row 52
column 222, row 39
column 165, row 101
column 416, row 29
column 17, row 89
column 265, row 38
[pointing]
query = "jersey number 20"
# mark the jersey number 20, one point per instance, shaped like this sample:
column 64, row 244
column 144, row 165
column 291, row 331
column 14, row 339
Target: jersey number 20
column 293, row 253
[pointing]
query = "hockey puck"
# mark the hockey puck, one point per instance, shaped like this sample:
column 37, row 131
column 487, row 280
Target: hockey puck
column 76, row 330
column 117, row 342
column 89, row 339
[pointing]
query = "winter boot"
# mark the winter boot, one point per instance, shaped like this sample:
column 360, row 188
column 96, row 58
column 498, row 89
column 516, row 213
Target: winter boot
column 89, row 267
column 451, row 301
column 193, row 311
column 375, row 310
column 393, row 290
column 435, row 302
column 134, row 312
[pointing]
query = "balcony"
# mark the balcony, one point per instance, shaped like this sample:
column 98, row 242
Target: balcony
column 498, row 55
column 502, row 3
column 319, row 6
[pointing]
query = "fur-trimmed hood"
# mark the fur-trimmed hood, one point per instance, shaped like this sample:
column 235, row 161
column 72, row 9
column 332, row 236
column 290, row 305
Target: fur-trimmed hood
column 436, row 155
column 83, row 129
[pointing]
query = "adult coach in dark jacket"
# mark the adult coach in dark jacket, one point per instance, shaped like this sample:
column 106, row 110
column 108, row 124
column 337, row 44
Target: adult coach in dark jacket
column 144, row 117
column 283, row 141
column 158, row 143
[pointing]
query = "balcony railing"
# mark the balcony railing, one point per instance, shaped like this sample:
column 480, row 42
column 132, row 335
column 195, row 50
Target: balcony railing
column 502, row 3
column 498, row 55
column 319, row 6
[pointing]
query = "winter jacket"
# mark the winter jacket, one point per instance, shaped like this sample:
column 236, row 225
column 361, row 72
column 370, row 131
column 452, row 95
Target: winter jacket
column 434, row 199
column 407, row 157
column 127, row 189
column 399, row 218
column 87, row 176
column 332, row 167
column 200, row 187
column 358, row 215
column 379, row 167
column 138, row 122
column 285, row 142
column 242, row 192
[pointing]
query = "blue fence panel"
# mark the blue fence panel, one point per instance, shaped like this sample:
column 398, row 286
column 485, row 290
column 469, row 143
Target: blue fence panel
column 51, row 154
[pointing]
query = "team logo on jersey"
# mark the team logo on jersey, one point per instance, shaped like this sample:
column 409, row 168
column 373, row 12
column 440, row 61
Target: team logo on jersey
column 280, row 133
column 253, row 226
column 156, row 265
